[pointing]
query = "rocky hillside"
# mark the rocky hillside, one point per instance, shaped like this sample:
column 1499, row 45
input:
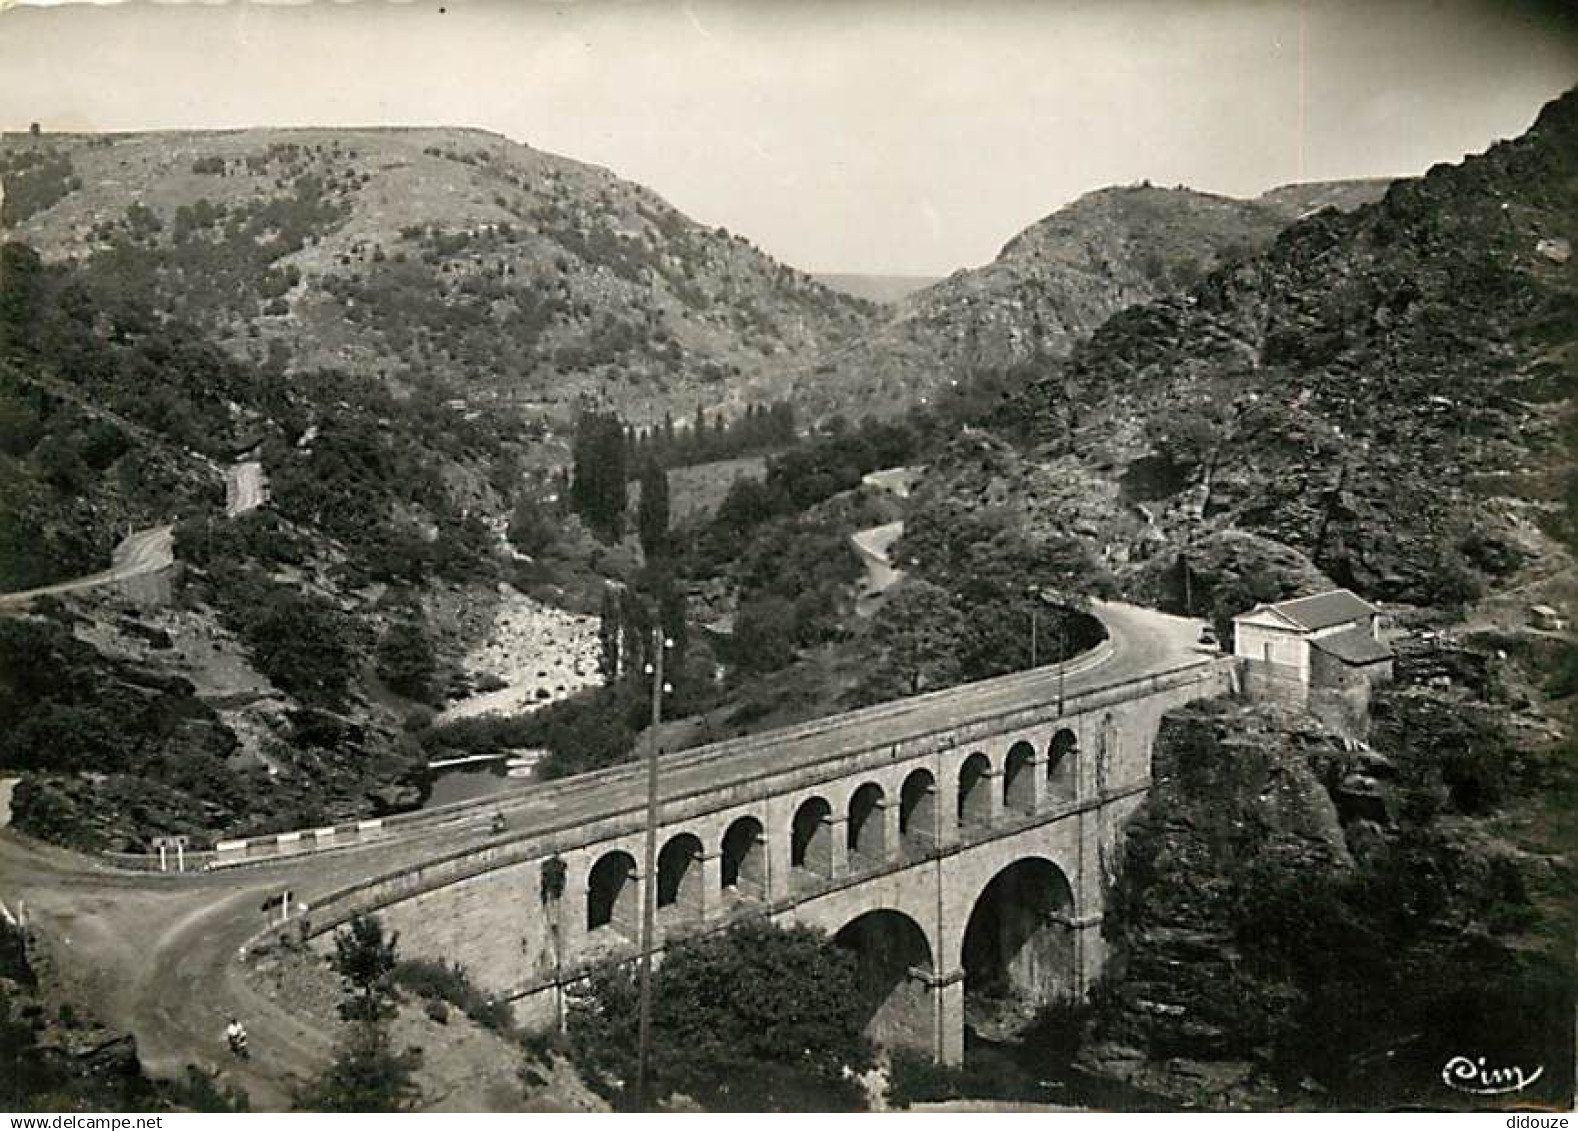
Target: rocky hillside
column 504, row 271
column 1375, row 399
column 1059, row 279
column 1302, row 923
column 516, row 275
column 273, row 683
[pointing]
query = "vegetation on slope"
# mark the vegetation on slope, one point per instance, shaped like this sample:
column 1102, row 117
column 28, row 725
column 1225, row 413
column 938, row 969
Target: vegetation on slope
column 1053, row 284
column 757, row 1018
column 114, row 417
column 1368, row 915
column 504, row 272
column 1378, row 391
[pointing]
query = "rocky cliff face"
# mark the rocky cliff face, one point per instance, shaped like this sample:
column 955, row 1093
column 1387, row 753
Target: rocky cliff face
column 1235, row 788
column 1379, row 390
column 1302, row 922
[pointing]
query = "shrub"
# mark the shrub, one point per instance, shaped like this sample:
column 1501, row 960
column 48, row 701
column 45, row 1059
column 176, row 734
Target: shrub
column 448, row 983
column 365, row 962
column 915, row 1078
column 758, row 1018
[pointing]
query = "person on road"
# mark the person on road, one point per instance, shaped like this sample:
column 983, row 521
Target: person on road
column 236, row 1038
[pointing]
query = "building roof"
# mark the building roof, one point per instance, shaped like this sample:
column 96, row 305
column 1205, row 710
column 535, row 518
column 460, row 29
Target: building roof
column 1335, row 606
column 1353, row 646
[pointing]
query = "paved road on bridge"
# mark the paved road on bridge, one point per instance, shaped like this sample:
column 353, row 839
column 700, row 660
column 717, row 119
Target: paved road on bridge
column 154, row 954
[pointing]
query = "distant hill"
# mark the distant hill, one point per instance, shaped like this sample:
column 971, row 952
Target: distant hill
column 1058, row 280
column 506, row 271
column 877, row 288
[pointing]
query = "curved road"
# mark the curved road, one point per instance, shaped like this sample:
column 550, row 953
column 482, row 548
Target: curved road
column 872, row 545
column 155, row 954
column 145, row 551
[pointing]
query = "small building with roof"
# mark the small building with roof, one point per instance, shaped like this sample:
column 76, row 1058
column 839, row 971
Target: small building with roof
column 1324, row 651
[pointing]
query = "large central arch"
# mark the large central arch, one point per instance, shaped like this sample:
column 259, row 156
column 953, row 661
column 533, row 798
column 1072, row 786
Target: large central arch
column 894, row 966
column 1019, row 951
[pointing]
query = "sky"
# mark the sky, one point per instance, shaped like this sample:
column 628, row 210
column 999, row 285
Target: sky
column 908, row 137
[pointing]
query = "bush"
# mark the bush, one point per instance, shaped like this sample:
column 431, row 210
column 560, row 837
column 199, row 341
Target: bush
column 448, row 983
column 367, row 1075
column 915, row 1078
column 301, row 641
column 757, row 1018
column 201, row 1089
column 365, row 962
column 406, row 661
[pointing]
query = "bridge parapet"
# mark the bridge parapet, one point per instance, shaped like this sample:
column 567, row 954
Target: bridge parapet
column 875, row 840
column 572, row 835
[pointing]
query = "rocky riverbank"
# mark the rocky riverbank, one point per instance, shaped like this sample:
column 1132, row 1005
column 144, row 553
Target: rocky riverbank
column 533, row 655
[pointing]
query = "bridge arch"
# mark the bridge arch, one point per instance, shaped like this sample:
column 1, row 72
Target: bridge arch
column 679, row 882
column 894, row 968
column 1019, row 786
column 811, row 837
column 1062, row 759
column 1018, row 950
column 975, row 791
column 867, row 825
column 918, row 812
column 744, row 858
column 612, row 894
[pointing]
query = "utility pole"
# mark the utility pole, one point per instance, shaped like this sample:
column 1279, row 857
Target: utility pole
column 1033, row 611
column 660, row 644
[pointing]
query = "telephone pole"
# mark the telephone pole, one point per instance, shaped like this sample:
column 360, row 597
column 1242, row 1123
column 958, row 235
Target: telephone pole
column 660, row 644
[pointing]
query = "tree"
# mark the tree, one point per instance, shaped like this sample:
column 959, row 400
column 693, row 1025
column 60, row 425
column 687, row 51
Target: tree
column 597, row 474
column 406, row 661
column 300, row 640
column 755, row 1018
column 653, row 516
column 764, row 633
column 364, row 960
column 610, row 632
column 915, row 641
column 367, row 1075
column 531, row 529
column 21, row 295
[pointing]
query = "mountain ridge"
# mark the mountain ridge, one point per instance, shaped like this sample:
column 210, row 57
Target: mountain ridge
column 1056, row 281
column 1378, row 393
column 516, row 274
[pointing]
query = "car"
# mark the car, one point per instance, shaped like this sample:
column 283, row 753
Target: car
column 1207, row 641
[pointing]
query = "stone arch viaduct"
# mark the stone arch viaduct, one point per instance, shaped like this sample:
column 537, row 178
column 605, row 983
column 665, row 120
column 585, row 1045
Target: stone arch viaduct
column 960, row 842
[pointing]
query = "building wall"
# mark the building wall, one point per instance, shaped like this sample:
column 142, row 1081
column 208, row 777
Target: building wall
column 1340, row 693
column 1278, row 683
column 1268, row 644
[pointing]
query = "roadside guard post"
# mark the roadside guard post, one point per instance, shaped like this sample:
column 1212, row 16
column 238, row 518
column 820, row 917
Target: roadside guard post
column 164, row 844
